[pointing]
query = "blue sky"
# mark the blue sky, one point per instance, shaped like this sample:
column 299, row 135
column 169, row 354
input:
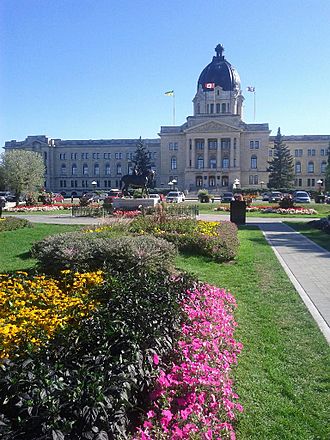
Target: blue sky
column 97, row 69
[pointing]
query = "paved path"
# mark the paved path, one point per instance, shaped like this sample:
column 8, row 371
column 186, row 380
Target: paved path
column 306, row 263
column 308, row 267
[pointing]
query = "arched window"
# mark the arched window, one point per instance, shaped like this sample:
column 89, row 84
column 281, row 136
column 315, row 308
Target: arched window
column 225, row 162
column 254, row 162
column 223, row 108
column 118, row 168
column 173, row 163
column 213, row 163
column 85, row 169
column 218, row 107
column 74, row 169
column 96, row 169
column 200, row 162
column 323, row 166
column 298, row 167
column 199, row 181
column 310, row 167
column 107, row 169
column 63, row 169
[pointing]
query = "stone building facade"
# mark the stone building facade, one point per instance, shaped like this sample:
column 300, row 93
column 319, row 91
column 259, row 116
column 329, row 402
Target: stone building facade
column 213, row 149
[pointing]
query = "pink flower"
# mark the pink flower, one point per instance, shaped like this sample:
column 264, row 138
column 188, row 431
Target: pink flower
column 156, row 359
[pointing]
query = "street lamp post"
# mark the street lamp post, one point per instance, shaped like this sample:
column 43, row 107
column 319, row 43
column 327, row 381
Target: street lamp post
column 236, row 183
column 174, row 181
column 320, row 182
column 94, row 185
column 261, row 184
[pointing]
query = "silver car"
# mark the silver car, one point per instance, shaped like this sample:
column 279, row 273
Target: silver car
column 301, row 197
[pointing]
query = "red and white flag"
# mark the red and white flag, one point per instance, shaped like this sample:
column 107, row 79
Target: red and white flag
column 210, row 86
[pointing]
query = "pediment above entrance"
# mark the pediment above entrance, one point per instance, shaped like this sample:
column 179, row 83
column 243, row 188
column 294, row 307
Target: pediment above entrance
column 212, row 127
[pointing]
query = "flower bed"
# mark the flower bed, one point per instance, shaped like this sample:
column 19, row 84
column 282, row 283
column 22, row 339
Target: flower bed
column 272, row 210
column 39, row 208
column 194, row 397
column 33, row 309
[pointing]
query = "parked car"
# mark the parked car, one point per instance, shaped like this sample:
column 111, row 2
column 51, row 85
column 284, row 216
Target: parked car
column 8, row 196
column 57, row 198
column 275, row 196
column 301, row 197
column 113, row 194
column 175, row 197
column 265, row 196
column 89, row 197
column 227, row 197
column 155, row 196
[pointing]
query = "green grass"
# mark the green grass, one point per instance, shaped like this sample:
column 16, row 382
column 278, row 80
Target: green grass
column 15, row 245
column 283, row 371
column 208, row 208
column 319, row 237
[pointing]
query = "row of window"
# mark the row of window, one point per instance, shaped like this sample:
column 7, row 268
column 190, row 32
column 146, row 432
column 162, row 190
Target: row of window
column 211, row 181
column 311, row 152
column 96, row 169
column 97, row 156
column 86, row 184
column 213, row 144
column 310, row 167
column 213, row 162
column 309, row 182
column 215, row 108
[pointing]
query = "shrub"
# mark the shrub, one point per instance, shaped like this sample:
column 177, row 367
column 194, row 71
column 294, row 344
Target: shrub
column 12, row 223
column 85, row 252
column 89, row 382
column 216, row 240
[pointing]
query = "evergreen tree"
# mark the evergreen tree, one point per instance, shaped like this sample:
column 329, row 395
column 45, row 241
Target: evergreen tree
column 281, row 166
column 141, row 158
column 327, row 172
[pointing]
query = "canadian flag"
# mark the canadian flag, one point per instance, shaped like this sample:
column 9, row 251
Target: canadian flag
column 209, row 85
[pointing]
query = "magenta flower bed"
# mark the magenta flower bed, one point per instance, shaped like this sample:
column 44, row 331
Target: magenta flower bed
column 194, row 397
column 128, row 214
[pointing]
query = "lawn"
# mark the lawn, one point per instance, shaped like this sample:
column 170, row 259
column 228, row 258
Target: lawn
column 284, row 366
column 283, row 371
column 319, row 237
column 15, row 245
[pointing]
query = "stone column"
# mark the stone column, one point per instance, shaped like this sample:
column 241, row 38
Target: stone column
column 188, row 152
column 219, row 153
column 193, row 154
column 206, row 154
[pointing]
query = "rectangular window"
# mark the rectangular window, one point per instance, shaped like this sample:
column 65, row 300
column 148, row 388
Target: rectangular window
column 254, row 145
column 255, row 179
column 296, row 153
column 107, row 155
column 313, row 182
column 199, row 144
column 308, row 182
column 251, row 180
column 299, row 182
column 62, row 156
column 309, row 152
column 313, row 151
column 213, row 144
column 322, row 152
column 73, row 156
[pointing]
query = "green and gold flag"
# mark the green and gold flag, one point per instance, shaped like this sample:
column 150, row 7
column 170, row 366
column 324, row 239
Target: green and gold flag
column 169, row 93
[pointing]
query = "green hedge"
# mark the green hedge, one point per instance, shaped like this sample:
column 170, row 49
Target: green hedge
column 86, row 252
column 12, row 223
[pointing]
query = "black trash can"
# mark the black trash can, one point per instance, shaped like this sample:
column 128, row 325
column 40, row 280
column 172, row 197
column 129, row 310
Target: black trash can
column 320, row 198
column 238, row 212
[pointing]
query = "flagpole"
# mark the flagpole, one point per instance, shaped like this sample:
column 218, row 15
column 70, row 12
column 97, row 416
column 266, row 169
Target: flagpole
column 254, row 105
column 173, row 108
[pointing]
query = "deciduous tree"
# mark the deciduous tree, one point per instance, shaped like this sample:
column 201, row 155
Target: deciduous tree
column 23, row 171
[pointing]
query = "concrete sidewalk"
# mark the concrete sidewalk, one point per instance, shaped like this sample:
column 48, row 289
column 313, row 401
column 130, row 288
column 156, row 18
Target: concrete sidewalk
column 308, row 267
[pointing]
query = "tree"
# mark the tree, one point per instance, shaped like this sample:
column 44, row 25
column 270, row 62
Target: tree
column 327, row 172
column 23, row 171
column 141, row 158
column 281, row 166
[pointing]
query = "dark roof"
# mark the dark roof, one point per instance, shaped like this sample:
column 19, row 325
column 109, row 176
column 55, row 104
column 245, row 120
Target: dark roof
column 220, row 72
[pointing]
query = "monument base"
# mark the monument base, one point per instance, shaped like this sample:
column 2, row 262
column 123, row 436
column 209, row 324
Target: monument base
column 131, row 204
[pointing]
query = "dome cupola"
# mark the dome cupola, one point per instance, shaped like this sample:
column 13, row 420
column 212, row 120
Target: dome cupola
column 219, row 73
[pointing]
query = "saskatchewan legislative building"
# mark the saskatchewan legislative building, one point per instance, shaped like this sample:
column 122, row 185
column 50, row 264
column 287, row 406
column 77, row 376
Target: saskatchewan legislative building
column 213, row 149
